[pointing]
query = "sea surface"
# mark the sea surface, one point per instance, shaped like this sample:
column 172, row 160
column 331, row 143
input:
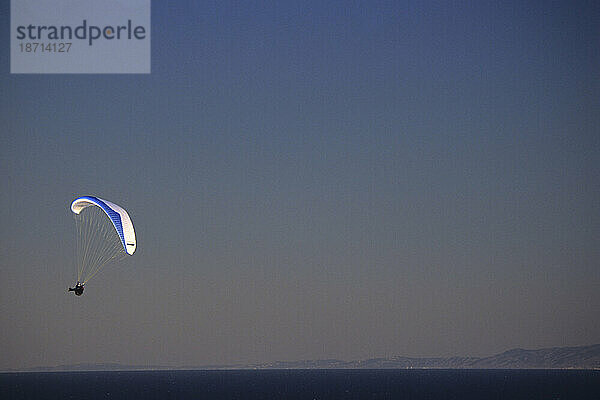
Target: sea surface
column 304, row 384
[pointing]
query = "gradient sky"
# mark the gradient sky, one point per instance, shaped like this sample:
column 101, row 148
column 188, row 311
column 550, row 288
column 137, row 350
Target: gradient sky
column 350, row 180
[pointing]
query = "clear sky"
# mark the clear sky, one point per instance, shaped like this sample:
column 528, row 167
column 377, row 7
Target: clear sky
column 349, row 180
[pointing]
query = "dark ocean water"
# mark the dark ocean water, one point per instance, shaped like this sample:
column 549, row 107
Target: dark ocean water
column 304, row 384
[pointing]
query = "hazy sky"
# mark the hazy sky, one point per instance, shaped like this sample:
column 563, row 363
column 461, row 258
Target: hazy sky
column 350, row 180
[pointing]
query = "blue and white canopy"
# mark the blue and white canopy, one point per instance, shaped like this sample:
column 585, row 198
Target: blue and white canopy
column 118, row 216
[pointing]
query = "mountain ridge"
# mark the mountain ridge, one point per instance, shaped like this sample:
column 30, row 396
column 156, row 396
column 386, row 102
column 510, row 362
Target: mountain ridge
column 574, row 357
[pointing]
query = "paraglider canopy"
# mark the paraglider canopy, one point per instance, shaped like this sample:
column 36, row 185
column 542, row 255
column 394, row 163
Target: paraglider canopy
column 117, row 215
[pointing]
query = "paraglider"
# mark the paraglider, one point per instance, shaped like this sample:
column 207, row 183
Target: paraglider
column 104, row 234
column 78, row 289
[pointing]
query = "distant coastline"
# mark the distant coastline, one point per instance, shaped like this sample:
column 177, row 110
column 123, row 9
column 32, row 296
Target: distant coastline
column 580, row 357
